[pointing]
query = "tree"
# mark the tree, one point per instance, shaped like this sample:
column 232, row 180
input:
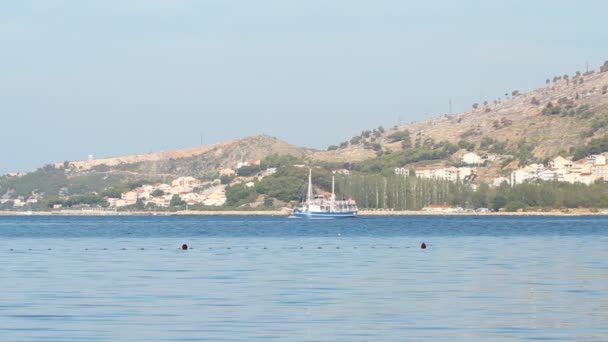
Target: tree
column 499, row 202
column 157, row 193
column 248, row 170
column 332, row 147
column 176, row 201
column 475, row 105
column 114, row 192
column 399, row 136
column 268, row 202
column 226, row 179
column 139, row 204
column 239, row 194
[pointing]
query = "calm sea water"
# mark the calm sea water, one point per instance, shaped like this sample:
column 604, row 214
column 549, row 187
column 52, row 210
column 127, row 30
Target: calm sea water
column 258, row 279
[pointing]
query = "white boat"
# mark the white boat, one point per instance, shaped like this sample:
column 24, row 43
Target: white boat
column 324, row 207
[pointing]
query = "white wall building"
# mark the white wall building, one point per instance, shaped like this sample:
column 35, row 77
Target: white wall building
column 471, row 158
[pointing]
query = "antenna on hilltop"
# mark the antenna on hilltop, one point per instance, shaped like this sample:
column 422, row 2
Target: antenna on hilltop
column 450, row 106
column 587, row 64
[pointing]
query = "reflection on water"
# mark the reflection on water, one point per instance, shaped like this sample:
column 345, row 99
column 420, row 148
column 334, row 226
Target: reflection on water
column 328, row 284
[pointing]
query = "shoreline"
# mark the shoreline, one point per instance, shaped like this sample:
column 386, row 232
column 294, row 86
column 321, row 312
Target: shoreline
column 362, row 213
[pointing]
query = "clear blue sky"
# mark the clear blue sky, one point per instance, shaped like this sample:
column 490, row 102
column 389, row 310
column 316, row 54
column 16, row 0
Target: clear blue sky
column 121, row 77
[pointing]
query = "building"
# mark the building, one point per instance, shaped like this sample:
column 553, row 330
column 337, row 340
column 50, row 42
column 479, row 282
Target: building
column 560, row 163
column 520, row 176
column 499, row 180
column 424, row 172
column 402, row 171
column 345, row 172
column 600, row 171
column 597, row 159
column 227, row 172
column 471, row 158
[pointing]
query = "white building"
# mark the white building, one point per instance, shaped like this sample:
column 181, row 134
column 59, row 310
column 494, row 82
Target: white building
column 402, row 171
column 471, row 158
column 499, row 180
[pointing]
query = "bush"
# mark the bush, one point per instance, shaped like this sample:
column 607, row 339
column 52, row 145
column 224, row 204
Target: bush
column 249, row 170
column 400, row 136
column 239, row 194
column 595, row 146
column 514, row 206
column 176, row 201
column 551, row 109
column 226, row 179
column 355, row 140
column 157, row 193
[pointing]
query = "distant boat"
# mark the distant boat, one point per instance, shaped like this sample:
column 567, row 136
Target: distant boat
column 325, row 207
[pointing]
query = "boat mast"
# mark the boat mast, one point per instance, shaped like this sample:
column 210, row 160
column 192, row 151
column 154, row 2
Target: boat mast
column 309, row 194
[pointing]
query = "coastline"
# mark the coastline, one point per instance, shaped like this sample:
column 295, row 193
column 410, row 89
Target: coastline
column 362, row 213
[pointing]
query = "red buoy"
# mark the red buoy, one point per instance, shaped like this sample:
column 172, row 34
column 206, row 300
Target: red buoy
column 185, row 247
column 423, row 246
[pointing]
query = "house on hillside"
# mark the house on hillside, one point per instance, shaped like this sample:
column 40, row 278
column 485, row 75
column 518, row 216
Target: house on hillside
column 600, row 171
column 402, row 171
column 185, row 183
column 345, row 172
column 499, row 180
column 227, row 172
column 471, row 158
column 424, row 172
column 560, row 162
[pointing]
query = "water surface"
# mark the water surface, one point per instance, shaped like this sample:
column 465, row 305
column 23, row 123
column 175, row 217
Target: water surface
column 258, row 278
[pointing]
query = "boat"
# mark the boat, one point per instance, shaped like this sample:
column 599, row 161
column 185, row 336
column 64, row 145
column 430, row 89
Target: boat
column 325, row 206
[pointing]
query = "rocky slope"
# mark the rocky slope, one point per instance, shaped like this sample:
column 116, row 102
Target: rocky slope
column 191, row 162
column 567, row 112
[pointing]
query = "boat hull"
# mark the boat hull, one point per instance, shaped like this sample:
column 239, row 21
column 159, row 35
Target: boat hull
column 324, row 214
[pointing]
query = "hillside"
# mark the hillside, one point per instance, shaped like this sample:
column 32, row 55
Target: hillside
column 76, row 177
column 196, row 162
column 567, row 113
column 565, row 117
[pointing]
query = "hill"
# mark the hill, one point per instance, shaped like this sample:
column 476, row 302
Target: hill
column 197, row 162
column 77, row 177
column 567, row 117
column 566, row 114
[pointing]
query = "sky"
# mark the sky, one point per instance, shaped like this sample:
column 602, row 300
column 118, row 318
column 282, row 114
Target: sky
column 119, row 77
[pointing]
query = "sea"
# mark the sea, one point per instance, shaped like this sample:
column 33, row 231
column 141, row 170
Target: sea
column 125, row 278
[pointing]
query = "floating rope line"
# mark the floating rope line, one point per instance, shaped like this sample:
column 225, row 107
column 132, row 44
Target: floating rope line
column 186, row 247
